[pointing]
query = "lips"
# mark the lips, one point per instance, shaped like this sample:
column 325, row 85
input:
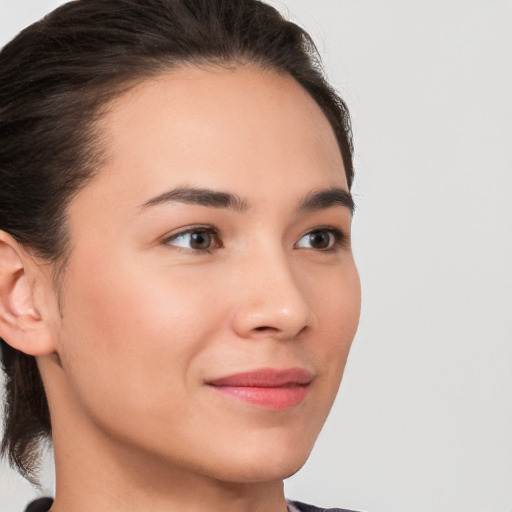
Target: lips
column 266, row 387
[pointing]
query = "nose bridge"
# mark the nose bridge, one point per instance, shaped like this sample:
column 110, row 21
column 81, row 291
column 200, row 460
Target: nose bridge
column 271, row 299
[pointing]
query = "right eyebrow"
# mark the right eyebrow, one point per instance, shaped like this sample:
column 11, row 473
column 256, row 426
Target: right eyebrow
column 199, row 196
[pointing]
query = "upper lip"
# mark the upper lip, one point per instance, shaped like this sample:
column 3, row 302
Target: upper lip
column 265, row 378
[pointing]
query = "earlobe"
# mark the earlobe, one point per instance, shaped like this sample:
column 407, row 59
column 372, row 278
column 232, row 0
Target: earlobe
column 21, row 324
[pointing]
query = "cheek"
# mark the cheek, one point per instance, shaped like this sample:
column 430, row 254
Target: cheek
column 135, row 329
column 337, row 308
column 336, row 297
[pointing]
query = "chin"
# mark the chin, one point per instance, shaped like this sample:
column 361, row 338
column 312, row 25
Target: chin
column 280, row 471
column 261, row 454
column 263, row 466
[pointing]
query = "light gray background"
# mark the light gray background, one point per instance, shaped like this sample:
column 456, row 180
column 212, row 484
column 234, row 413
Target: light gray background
column 423, row 422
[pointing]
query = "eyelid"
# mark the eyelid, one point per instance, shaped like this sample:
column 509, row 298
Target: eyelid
column 341, row 240
column 214, row 232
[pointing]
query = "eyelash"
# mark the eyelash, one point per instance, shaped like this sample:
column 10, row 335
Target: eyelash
column 195, row 229
column 339, row 239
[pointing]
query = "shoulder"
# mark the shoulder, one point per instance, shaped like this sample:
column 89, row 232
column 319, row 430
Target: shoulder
column 40, row 505
column 297, row 506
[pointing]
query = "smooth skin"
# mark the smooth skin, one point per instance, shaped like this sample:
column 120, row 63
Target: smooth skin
column 165, row 291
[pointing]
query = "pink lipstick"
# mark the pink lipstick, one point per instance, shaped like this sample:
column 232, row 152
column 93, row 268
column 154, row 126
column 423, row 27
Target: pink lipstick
column 266, row 387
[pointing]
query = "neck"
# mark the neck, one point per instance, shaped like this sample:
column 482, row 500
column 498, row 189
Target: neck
column 101, row 474
column 106, row 482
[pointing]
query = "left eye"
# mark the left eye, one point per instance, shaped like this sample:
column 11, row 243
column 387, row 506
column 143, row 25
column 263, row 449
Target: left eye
column 198, row 239
column 319, row 239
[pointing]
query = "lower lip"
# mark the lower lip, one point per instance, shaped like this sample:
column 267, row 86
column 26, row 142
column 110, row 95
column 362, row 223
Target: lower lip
column 276, row 398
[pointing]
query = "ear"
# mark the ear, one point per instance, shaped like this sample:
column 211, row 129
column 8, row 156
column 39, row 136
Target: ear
column 22, row 325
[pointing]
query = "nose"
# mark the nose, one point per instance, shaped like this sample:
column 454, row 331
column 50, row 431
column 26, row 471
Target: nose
column 271, row 300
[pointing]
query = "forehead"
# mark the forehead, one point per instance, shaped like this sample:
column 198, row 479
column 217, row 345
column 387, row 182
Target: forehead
column 217, row 126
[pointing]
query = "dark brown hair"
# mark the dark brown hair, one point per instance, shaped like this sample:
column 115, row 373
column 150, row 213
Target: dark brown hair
column 55, row 78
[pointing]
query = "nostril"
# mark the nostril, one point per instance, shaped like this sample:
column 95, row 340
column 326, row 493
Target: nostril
column 264, row 328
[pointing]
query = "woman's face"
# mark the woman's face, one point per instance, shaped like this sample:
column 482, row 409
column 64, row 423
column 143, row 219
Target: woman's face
column 211, row 295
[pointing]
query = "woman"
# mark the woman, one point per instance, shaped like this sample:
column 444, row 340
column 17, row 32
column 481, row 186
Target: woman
column 178, row 292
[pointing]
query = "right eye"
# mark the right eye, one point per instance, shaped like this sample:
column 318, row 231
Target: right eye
column 199, row 239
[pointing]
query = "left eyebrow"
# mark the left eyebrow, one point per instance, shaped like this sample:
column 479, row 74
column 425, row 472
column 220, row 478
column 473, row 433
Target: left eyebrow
column 328, row 198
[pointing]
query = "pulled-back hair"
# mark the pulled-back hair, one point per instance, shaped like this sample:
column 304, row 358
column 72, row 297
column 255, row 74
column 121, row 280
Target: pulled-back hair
column 57, row 76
